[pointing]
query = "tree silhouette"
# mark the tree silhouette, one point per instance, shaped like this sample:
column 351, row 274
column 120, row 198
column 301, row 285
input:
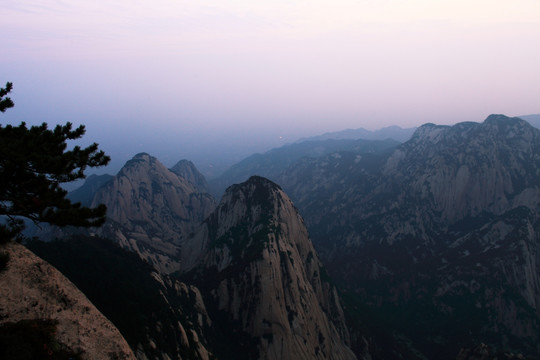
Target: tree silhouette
column 5, row 102
column 33, row 165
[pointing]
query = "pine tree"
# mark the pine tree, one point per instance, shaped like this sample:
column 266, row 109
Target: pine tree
column 5, row 102
column 33, row 165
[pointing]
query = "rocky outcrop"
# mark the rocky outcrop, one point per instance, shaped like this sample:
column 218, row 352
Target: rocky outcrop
column 198, row 321
column 160, row 317
column 470, row 168
column 33, row 289
column 151, row 210
column 255, row 265
column 189, row 319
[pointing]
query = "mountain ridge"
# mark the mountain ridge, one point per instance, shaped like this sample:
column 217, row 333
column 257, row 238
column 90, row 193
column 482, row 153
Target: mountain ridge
column 150, row 210
column 436, row 238
column 258, row 269
column 388, row 222
column 390, row 132
column 272, row 163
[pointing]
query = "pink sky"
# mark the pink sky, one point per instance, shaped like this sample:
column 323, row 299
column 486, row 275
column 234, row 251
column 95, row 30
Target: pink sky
column 287, row 68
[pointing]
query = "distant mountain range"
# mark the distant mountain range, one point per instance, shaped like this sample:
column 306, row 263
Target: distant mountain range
column 437, row 240
column 391, row 132
column 534, row 120
column 353, row 249
column 272, row 163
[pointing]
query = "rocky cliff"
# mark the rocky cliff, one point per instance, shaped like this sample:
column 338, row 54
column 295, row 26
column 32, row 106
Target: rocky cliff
column 151, row 210
column 436, row 238
column 187, row 170
column 470, row 168
column 257, row 270
column 160, row 317
column 35, row 293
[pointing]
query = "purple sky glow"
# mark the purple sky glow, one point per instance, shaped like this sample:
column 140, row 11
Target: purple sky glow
column 175, row 77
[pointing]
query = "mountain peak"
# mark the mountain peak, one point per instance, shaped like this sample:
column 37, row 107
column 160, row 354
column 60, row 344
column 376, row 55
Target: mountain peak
column 507, row 126
column 251, row 207
column 257, row 182
column 497, row 123
column 151, row 209
column 140, row 159
column 465, row 166
column 188, row 171
column 429, row 132
column 497, row 117
column 256, row 188
column 256, row 263
column 142, row 155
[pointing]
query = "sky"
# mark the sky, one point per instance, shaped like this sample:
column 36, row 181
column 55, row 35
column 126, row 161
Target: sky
column 209, row 79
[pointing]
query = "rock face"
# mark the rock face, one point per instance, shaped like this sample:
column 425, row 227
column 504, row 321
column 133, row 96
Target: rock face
column 471, row 168
column 187, row 170
column 439, row 237
column 256, row 268
column 32, row 289
column 160, row 317
column 151, row 210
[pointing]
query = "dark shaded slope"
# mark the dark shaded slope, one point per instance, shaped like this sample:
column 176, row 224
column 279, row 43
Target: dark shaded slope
column 272, row 163
column 147, row 308
column 389, row 228
column 86, row 192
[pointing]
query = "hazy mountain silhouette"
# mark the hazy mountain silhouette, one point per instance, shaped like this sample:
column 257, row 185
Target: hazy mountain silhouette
column 396, row 133
column 272, row 163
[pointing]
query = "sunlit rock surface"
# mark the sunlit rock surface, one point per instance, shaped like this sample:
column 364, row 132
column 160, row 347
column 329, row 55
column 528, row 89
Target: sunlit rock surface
column 33, row 289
